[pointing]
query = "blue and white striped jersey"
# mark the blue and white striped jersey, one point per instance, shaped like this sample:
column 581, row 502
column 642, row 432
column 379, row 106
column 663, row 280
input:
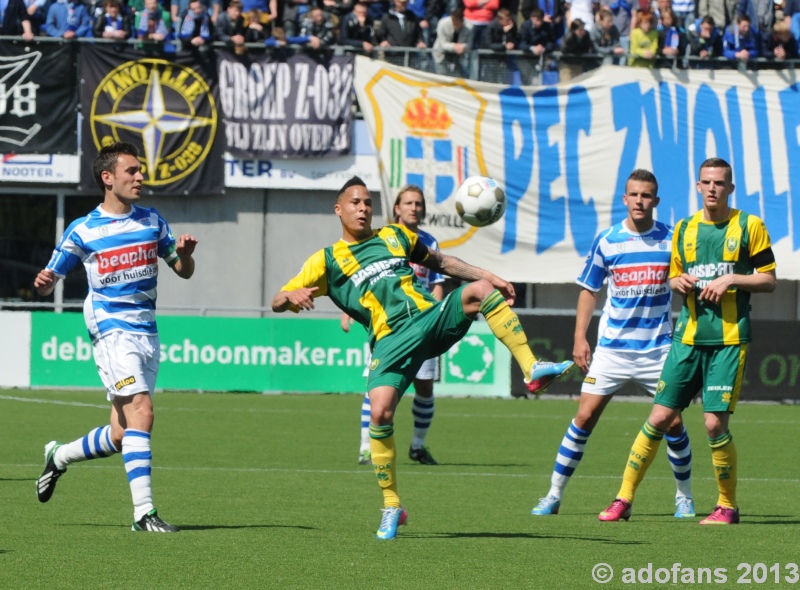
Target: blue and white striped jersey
column 427, row 276
column 637, row 313
column 120, row 254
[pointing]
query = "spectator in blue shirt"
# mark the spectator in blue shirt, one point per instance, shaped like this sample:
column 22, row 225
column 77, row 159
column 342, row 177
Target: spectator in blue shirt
column 68, row 20
column 795, row 26
column 741, row 41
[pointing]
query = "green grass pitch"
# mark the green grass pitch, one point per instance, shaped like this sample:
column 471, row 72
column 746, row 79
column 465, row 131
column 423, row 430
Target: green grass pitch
column 269, row 495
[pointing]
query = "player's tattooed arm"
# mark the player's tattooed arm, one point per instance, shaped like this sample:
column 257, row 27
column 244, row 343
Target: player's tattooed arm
column 458, row 269
column 452, row 266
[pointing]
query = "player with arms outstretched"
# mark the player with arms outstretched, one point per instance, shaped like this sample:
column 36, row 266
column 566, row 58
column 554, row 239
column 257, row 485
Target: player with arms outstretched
column 409, row 211
column 119, row 244
column 368, row 276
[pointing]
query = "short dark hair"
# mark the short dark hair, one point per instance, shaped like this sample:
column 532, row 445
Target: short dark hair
column 355, row 181
column 106, row 160
column 708, row 20
column 409, row 188
column 718, row 163
column 537, row 13
column 642, row 175
column 742, row 17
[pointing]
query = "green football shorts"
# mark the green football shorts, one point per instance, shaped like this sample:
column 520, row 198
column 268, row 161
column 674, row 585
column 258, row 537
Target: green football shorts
column 397, row 357
column 716, row 371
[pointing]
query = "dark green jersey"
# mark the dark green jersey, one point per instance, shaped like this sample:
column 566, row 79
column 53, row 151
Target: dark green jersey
column 370, row 280
column 707, row 250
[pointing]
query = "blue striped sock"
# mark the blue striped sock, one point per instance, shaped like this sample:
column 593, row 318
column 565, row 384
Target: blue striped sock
column 569, row 456
column 365, row 418
column 422, row 409
column 95, row 445
column 679, row 452
column 138, row 458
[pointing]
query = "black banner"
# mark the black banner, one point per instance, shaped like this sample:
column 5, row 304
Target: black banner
column 39, row 100
column 773, row 361
column 286, row 106
column 166, row 105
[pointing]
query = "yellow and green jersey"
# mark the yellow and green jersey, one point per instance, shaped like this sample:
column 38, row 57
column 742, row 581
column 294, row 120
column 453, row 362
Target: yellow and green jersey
column 370, row 280
column 707, row 250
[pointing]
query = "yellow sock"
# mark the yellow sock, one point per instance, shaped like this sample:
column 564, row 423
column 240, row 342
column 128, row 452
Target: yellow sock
column 723, row 456
column 504, row 324
column 384, row 457
column 643, row 451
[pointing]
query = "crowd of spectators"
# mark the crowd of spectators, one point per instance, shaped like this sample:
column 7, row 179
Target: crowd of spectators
column 632, row 32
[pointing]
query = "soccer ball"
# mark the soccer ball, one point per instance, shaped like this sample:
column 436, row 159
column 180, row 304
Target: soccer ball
column 480, row 201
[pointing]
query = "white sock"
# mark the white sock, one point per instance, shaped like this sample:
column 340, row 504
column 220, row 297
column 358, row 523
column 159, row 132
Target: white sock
column 422, row 408
column 138, row 458
column 365, row 416
column 569, row 456
column 679, row 452
column 95, row 445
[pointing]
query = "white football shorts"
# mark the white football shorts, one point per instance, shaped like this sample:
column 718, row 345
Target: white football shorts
column 127, row 363
column 611, row 369
column 428, row 371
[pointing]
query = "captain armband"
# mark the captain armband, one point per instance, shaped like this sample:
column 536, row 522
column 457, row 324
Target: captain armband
column 763, row 258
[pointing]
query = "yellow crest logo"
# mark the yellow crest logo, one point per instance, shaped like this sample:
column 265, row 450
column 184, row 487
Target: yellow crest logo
column 726, row 397
column 393, row 243
column 164, row 108
column 427, row 117
column 660, row 387
column 373, row 364
column 731, row 244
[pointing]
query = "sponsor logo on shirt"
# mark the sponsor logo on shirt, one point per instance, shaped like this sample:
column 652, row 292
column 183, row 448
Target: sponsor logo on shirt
column 377, row 270
column 127, row 258
column 650, row 274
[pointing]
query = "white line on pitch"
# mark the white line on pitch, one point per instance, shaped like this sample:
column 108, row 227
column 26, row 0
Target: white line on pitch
column 405, row 472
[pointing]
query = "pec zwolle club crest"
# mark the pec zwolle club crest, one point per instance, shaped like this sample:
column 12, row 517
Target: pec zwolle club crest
column 163, row 108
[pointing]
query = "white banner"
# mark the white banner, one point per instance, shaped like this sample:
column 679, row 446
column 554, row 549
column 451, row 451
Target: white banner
column 563, row 154
column 32, row 168
column 328, row 173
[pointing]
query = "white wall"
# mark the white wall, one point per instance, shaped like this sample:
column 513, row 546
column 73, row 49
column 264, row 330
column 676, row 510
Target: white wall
column 15, row 349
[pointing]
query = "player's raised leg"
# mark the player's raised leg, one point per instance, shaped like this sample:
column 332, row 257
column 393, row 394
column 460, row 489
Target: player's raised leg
column 571, row 450
column 482, row 297
column 96, row 444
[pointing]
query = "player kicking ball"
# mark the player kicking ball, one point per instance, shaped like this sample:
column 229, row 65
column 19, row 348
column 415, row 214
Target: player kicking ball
column 119, row 244
column 368, row 276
